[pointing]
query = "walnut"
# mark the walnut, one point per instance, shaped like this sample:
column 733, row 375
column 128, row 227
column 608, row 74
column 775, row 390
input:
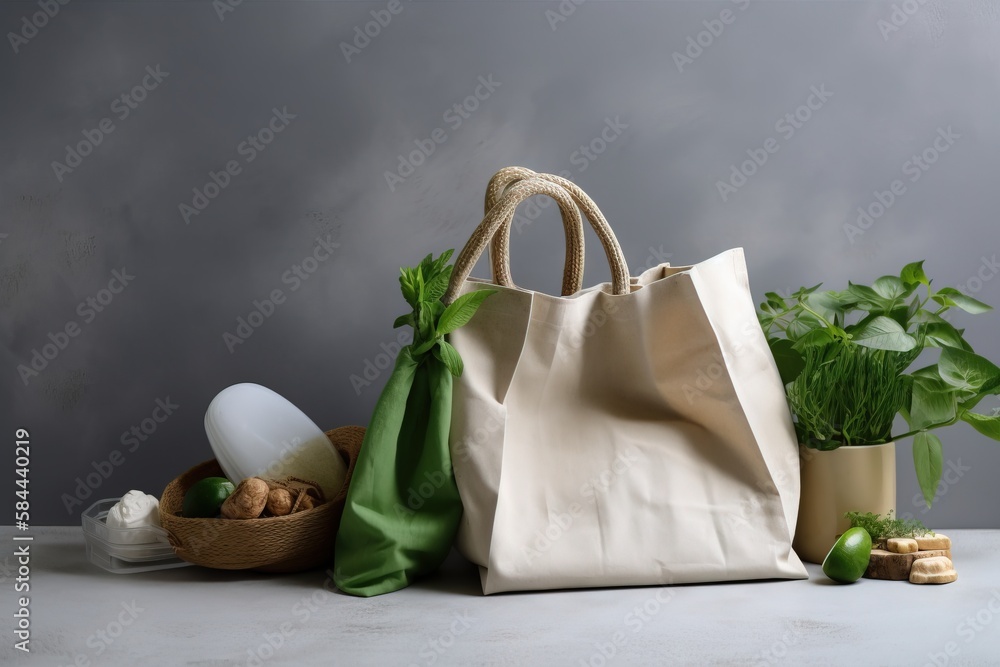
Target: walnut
column 280, row 501
column 289, row 495
column 247, row 501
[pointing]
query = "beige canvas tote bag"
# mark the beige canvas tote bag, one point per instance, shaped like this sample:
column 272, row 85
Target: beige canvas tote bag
column 631, row 433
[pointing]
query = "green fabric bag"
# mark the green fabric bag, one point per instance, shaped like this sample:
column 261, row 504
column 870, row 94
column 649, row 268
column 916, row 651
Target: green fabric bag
column 403, row 508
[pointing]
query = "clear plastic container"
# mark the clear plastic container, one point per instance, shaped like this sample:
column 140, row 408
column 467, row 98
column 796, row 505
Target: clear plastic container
column 126, row 550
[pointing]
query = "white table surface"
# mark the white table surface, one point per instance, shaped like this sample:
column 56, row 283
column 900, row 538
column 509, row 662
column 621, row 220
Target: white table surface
column 195, row 616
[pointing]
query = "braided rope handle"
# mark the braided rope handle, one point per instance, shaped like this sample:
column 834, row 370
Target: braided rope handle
column 500, row 248
column 501, row 215
column 572, row 224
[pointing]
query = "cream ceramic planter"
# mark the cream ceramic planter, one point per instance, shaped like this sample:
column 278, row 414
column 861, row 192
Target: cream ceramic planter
column 846, row 479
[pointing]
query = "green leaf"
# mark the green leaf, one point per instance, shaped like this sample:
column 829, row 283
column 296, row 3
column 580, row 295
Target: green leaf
column 846, row 298
column 943, row 334
column 868, row 299
column 790, row 363
column 933, row 401
column 889, row 287
column 449, row 356
column 827, row 304
column 438, row 285
column 425, row 323
column 970, row 305
column 804, row 291
column 913, row 274
column 927, row 372
column 913, row 308
column 802, row 325
column 883, row 333
column 775, row 300
column 949, row 296
column 403, row 320
column 928, row 461
column 987, row 425
column 901, row 314
column 438, row 265
column 461, row 310
column 815, row 338
column 408, row 284
column 966, row 370
column 928, row 316
column 424, row 347
column 425, row 265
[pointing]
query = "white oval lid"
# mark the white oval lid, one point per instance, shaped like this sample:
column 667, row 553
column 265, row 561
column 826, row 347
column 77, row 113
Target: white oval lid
column 254, row 431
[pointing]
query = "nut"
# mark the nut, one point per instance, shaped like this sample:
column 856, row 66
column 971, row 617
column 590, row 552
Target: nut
column 247, row 501
column 280, row 501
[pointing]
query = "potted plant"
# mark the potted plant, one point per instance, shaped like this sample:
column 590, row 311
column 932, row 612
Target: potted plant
column 845, row 359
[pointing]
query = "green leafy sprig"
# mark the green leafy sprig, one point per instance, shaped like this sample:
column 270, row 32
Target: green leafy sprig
column 843, row 356
column 423, row 286
column 881, row 529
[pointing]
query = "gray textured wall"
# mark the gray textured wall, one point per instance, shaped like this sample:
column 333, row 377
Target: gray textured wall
column 680, row 127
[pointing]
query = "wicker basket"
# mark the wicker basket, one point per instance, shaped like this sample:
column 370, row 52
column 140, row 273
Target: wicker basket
column 300, row 541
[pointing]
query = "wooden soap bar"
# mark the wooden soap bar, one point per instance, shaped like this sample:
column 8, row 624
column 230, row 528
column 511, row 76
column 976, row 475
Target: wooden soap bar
column 938, row 570
column 931, row 542
column 896, row 567
column 901, row 545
